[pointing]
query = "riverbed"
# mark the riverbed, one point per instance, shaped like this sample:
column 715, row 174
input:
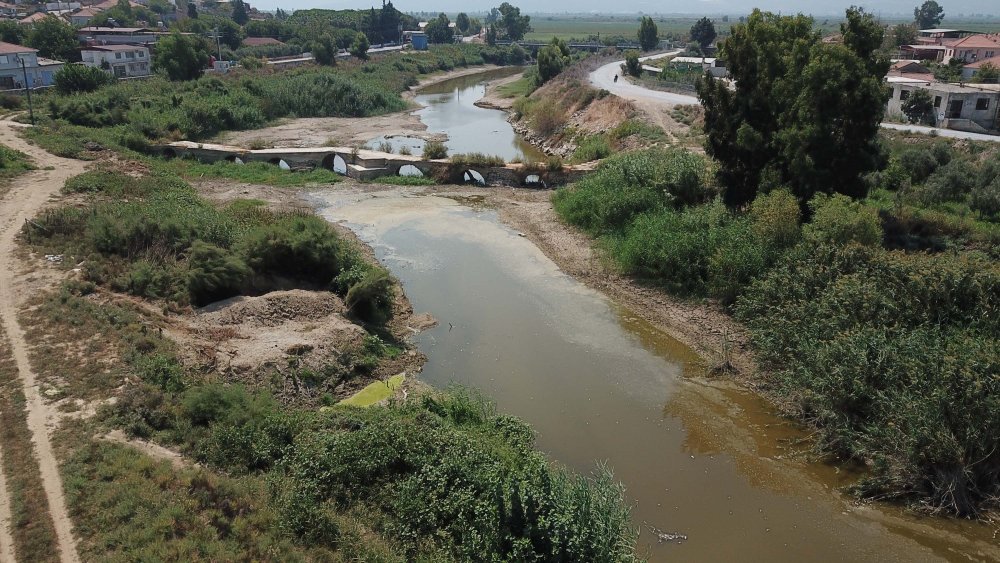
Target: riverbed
column 699, row 457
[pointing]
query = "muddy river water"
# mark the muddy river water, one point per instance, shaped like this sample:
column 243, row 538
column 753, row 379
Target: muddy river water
column 698, row 457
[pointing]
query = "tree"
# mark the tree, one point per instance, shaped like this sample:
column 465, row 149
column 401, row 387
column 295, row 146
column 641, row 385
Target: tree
column 192, row 10
column 324, row 50
column 919, row 107
column 513, row 25
column 803, row 113
column 648, row 35
column 462, row 22
column 928, row 15
column 703, row 31
column 360, row 46
column 438, row 30
column 491, row 35
column 181, row 57
column 280, row 15
column 552, row 59
column 12, row 32
column 73, row 79
column 54, row 39
column 240, row 15
column 988, row 74
column 632, row 64
column 389, row 22
column 904, row 34
column 161, row 7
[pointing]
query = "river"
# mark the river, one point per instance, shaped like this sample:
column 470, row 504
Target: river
column 698, row 456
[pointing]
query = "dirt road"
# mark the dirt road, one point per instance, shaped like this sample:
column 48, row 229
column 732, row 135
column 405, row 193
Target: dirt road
column 28, row 194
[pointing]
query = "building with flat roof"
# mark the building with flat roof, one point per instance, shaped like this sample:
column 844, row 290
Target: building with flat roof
column 124, row 61
column 963, row 107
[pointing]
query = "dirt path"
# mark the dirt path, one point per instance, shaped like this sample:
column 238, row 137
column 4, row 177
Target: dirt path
column 29, row 194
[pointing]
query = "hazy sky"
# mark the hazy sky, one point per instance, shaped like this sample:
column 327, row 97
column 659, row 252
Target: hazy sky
column 649, row 6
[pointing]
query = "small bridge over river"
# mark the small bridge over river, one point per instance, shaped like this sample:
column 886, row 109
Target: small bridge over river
column 366, row 165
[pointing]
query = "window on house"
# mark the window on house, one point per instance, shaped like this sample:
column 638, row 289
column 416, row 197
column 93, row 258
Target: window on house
column 982, row 104
column 118, row 55
column 904, row 94
column 3, row 60
column 142, row 55
column 130, row 55
column 937, row 101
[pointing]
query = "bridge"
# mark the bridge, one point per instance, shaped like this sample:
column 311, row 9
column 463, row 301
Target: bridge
column 579, row 45
column 366, row 165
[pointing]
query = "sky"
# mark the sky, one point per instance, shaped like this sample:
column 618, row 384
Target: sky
column 706, row 7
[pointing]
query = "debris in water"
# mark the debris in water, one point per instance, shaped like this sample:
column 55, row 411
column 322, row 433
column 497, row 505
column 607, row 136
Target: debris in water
column 662, row 536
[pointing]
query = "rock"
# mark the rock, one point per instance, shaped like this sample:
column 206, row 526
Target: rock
column 92, row 146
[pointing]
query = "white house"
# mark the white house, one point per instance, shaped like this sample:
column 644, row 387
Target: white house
column 122, row 60
column 39, row 71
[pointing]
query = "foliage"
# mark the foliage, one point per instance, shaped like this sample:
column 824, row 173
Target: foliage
column 438, row 30
column 593, row 147
column 360, row 46
column 987, row 74
column 13, row 163
column 11, row 31
column 240, row 15
column 928, row 15
column 890, row 355
column 804, row 114
column 903, row 34
column 181, row 57
column 919, row 107
column 74, row 79
column 838, row 220
column 511, row 24
column 703, row 32
column 463, row 23
column 632, row 64
column 648, row 35
column 54, row 38
column 552, row 59
column 324, row 50
column 371, row 298
column 435, row 150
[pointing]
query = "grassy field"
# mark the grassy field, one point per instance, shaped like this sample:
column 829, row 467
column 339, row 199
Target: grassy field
column 544, row 27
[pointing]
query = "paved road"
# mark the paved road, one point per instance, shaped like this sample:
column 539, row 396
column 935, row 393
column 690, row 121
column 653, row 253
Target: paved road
column 604, row 77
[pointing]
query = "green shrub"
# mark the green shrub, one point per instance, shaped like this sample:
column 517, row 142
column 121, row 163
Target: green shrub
column 592, row 147
column 214, row 273
column 434, row 150
column 298, row 247
column 776, row 219
column 554, row 163
column 477, row 159
column 986, row 199
column 950, row 182
column 838, row 220
column 371, row 298
column 920, row 163
column 77, row 78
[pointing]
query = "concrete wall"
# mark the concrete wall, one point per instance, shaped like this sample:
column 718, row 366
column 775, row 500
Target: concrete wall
column 365, row 165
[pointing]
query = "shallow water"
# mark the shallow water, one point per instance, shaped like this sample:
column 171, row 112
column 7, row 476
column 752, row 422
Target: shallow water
column 597, row 383
column 449, row 108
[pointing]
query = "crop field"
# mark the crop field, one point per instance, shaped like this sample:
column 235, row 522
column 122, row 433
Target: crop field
column 582, row 26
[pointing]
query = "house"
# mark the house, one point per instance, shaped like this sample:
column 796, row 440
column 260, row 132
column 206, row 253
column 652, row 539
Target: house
column 34, row 18
column 261, row 42
column 965, row 108
column 973, row 48
column 83, row 16
column 938, row 36
column 970, row 70
column 710, row 64
column 39, row 71
column 911, row 69
column 8, row 10
column 117, row 35
column 124, row 61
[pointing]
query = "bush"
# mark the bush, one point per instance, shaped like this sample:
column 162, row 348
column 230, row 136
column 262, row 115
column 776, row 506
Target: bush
column 951, row 182
column 592, row 147
column 298, row 247
column 214, row 273
column 986, row 200
column 776, row 219
column 77, row 78
column 434, row 150
column 11, row 101
column 371, row 298
column 554, row 163
column 632, row 64
column 839, row 220
column 919, row 162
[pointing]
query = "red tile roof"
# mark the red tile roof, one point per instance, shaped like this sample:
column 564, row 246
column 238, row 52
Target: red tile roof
column 981, row 41
column 995, row 61
column 12, row 49
column 34, row 17
column 260, row 41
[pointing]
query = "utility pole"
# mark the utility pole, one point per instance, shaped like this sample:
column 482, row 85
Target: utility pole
column 31, row 110
column 218, row 43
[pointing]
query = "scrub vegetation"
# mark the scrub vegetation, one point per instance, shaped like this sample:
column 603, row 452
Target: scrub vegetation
column 875, row 319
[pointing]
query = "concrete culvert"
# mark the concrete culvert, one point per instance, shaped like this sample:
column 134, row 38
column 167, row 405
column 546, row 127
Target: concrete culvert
column 410, row 170
column 533, row 180
column 473, row 177
column 336, row 163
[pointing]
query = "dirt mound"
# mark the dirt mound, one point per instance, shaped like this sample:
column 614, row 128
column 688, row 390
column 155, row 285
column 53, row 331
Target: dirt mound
column 273, row 309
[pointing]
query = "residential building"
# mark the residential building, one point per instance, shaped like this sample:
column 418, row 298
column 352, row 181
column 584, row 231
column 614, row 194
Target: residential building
column 118, row 35
column 8, row 10
column 965, row 108
column 38, row 70
column 124, row 61
column 970, row 70
column 83, row 16
column 34, row 18
column 911, row 69
column 973, row 48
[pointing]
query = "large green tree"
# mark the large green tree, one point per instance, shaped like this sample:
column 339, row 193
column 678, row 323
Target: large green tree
column 802, row 113
column 360, row 46
column 438, row 30
column 552, row 59
column 703, row 32
column 919, row 107
column 54, row 39
column 648, row 34
column 181, row 57
column 462, row 22
column 511, row 23
column 240, row 14
column 928, row 15
column 12, row 32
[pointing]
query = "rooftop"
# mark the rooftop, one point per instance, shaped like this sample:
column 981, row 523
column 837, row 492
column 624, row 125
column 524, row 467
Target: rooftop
column 12, row 49
column 113, row 48
column 260, row 41
column 114, row 30
column 995, row 61
column 976, row 42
